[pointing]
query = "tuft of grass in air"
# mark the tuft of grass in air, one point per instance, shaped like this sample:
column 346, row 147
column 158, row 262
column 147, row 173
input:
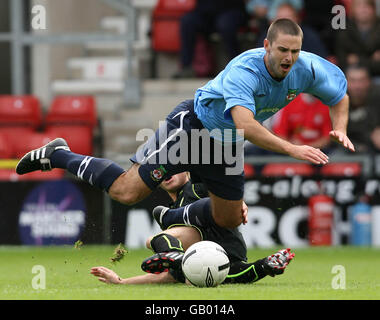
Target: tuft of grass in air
column 78, row 244
column 118, row 253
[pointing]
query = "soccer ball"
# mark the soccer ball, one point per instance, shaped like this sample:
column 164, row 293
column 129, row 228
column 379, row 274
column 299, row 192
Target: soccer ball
column 205, row 264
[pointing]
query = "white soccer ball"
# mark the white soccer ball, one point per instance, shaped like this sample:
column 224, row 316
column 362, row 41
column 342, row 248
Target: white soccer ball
column 205, row 264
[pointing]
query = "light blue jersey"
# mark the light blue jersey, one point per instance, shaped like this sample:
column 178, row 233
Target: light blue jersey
column 246, row 82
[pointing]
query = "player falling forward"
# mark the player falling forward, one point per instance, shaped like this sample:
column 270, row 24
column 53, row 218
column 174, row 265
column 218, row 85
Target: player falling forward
column 230, row 108
column 169, row 246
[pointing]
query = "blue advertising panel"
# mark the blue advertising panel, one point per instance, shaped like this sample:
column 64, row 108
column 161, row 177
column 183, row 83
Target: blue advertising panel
column 52, row 213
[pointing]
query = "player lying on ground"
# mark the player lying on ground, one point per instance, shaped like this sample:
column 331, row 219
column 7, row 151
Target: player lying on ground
column 228, row 109
column 165, row 265
column 247, row 274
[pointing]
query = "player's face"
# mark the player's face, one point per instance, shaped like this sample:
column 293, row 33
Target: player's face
column 175, row 182
column 282, row 54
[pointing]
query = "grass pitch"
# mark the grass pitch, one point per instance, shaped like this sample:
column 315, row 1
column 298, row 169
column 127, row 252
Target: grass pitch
column 308, row 277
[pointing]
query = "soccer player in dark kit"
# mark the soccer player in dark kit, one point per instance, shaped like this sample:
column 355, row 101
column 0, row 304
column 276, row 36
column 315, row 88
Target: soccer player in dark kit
column 169, row 246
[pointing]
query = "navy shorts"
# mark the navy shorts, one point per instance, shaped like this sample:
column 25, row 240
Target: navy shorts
column 173, row 149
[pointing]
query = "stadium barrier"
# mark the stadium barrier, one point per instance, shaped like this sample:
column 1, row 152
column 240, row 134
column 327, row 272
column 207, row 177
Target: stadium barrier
column 278, row 211
column 62, row 210
column 50, row 212
column 18, row 38
column 278, row 205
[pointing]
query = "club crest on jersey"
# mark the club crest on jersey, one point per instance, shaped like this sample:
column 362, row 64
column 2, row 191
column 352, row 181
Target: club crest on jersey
column 292, row 93
column 157, row 174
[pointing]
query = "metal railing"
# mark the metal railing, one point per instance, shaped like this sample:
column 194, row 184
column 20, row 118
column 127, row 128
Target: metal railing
column 18, row 39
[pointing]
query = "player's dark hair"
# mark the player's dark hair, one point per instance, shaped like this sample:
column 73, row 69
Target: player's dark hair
column 285, row 26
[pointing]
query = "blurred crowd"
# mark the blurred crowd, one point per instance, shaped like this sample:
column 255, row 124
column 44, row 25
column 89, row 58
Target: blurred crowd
column 355, row 48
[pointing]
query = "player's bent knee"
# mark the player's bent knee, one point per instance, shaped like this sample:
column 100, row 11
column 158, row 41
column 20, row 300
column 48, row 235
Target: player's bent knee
column 147, row 243
column 127, row 198
column 120, row 192
column 226, row 213
column 129, row 188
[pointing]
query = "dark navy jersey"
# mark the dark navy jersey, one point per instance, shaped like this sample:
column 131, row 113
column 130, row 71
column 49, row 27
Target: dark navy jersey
column 230, row 239
column 189, row 193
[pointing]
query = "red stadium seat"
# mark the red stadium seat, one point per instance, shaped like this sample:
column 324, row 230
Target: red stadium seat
column 175, row 5
column 249, row 170
column 74, row 119
column 6, row 150
column 166, row 24
column 344, row 169
column 72, row 110
column 15, row 136
column 78, row 137
column 287, row 169
column 20, row 116
column 31, row 141
column 20, row 111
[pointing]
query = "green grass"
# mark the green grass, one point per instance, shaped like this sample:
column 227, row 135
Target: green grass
column 309, row 276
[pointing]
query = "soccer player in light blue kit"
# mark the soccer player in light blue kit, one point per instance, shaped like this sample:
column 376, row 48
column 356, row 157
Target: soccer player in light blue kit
column 251, row 88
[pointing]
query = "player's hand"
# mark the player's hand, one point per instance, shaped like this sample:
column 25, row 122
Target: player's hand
column 308, row 153
column 105, row 275
column 342, row 139
column 244, row 213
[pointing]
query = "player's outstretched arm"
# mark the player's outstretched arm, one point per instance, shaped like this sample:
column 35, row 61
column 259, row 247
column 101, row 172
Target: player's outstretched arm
column 108, row 276
column 339, row 120
column 262, row 137
column 275, row 264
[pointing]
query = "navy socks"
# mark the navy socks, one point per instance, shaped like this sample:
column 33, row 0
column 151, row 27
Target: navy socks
column 197, row 214
column 98, row 172
column 164, row 242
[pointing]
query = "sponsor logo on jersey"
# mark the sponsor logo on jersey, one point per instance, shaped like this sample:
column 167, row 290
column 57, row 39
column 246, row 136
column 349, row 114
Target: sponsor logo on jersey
column 292, row 93
column 158, row 174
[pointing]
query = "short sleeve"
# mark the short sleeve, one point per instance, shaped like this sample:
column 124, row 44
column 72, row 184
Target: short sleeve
column 239, row 85
column 329, row 82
